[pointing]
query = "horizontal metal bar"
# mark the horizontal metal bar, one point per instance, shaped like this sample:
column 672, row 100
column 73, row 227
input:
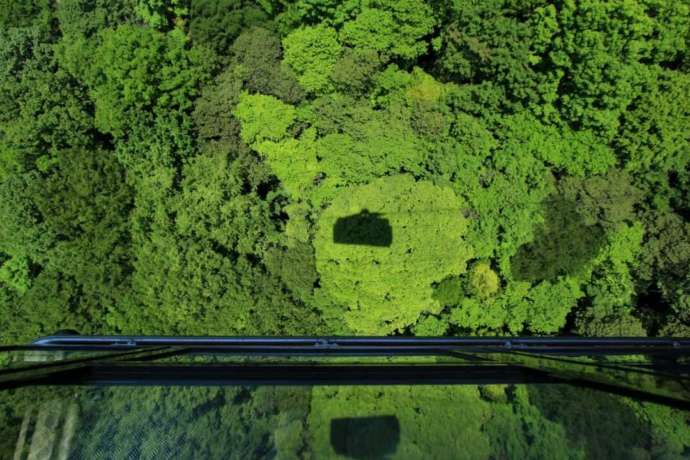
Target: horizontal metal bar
column 670, row 348
column 133, row 374
column 289, row 374
column 35, row 370
column 379, row 350
column 324, row 340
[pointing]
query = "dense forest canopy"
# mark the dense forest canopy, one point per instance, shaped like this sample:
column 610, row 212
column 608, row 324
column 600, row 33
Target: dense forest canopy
column 221, row 167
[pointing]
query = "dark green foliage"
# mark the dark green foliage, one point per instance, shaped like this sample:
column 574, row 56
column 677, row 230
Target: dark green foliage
column 216, row 24
column 85, row 18
column 355, row 70
column 258, row 55
column 67, row 236
column 562, row 247
column 179, row 422
column 518, row 429
column 653, row 136
column 136, row 71
column 213, row 120
column 81, row 23
column 25, row 13
column 618, row 435
column 162, row 14
column 282, row 262
column 501, row 41
column 664, row 263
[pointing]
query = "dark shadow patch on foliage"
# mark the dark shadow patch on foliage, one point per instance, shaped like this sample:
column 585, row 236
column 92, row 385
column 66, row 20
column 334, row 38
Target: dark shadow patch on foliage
column 296, row 267
column 602, row 424
column 365, row 229
column 562, row 246
column 365, row 437
column 449, row 292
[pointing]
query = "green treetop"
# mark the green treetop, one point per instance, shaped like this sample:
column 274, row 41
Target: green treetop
column 312, row 52
column 386, row 288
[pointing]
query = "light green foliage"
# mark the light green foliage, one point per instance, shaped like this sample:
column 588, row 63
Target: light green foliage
column 483, row 281
column 263, row 118
column 422, row 431
column 578, row 153
column 14, row 273
column 345, row 144
column 294, row 162
column 312, row 52
column 431, row 326
column 298, row 12
column 620, row 37
column 162, row 13
column 541, row 309
column 384, row 288
column 391, row 27
column 549, row 304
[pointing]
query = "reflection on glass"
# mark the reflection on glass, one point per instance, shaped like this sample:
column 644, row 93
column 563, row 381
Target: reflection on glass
column 453, row 422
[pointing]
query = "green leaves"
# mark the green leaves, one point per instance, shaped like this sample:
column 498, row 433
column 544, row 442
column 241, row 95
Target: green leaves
column 385, row 288
column 391, row 27
column 137, row 70
column 177, row 166
column 263, row 118
column 312, row 52
column 161, row 13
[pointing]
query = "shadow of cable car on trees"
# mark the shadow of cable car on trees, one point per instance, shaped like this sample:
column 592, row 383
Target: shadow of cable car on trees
column 365, row 437
column 364, row 229
column 562, row 246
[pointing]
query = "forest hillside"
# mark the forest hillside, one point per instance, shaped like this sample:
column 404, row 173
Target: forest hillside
column 275, row 167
